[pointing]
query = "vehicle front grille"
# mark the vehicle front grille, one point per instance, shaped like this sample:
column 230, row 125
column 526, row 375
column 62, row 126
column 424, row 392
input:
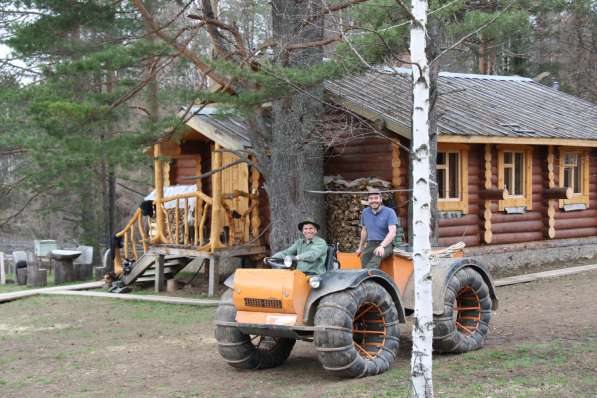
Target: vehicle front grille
column 263, row 303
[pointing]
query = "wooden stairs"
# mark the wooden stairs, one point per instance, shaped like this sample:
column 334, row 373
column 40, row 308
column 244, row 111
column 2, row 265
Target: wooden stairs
column 144, row 269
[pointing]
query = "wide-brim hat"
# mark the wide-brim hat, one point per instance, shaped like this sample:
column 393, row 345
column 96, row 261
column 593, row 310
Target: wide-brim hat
column 308, row 221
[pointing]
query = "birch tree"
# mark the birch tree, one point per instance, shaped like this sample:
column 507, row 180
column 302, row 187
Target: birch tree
column 421, row 364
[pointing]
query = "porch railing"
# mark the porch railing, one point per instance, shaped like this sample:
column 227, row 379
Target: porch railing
column 185, row 221
column 191, row 220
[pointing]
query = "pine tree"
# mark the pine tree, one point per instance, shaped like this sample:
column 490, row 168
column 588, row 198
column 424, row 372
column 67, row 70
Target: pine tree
column 71, row 118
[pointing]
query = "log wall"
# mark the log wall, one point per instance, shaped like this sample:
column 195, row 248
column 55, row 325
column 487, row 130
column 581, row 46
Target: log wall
column 527, row 227
column 401, row 180
column 530, row 226
column 360, row 158
column 467, row 228
column 181, row 168
column 577, row 224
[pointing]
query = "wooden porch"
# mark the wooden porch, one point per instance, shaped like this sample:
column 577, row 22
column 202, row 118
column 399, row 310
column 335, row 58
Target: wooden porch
column 219, row 218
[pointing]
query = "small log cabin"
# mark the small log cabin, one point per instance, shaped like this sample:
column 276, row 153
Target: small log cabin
column 219, row 215
column 516, row 163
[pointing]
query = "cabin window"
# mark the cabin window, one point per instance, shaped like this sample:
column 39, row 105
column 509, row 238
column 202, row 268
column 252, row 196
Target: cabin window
column 452, row 178
column 515, row 175
column 448, row 175
column 574, row 173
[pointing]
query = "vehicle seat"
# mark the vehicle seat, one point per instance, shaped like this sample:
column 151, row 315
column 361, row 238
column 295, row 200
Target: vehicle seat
column 331, row 262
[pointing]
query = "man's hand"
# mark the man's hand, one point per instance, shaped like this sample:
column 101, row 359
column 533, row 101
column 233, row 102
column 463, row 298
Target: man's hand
column 379, row 251
column 359, row 252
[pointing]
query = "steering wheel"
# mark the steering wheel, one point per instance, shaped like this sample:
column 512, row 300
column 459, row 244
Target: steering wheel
column 280, row 263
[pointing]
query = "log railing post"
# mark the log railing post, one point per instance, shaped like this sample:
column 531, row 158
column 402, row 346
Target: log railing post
column 216, row 209
column 255, row 218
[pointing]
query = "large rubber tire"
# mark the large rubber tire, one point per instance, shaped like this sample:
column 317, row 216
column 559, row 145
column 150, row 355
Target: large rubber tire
column 242, row 351
column 341, row 321
column 464, row 324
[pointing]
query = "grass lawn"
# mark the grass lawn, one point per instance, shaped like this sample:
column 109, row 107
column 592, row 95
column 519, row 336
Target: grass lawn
column 74, row 346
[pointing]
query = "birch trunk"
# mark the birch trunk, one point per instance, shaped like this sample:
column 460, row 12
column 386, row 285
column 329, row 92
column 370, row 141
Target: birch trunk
column 421, row 364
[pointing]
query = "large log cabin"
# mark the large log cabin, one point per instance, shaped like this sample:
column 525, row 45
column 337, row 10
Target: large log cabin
column 515, row 163
column 516, row 160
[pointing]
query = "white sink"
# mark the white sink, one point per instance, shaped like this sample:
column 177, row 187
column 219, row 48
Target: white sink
column 65, row 254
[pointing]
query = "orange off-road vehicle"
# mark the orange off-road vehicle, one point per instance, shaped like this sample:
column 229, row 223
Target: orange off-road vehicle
column 352, row 315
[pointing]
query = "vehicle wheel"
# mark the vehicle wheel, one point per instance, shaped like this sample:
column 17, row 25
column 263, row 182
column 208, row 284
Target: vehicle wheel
column 357, row 331
column 467, row 310
column 243, row 351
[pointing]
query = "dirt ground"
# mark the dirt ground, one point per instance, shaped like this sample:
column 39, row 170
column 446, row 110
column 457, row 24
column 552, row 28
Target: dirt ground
column 65, row 346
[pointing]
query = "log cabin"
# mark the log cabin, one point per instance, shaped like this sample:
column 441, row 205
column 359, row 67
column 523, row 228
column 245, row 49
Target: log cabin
column 515, row 164
column 516, row 160
column 206, row 204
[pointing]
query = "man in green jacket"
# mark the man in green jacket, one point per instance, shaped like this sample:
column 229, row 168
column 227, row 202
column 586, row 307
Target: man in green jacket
column 309, row 251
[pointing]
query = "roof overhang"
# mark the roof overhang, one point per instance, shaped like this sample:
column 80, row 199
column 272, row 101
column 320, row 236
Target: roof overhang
column 462, row 139
column 210, row 131
column 390, row 123
column 404, row 131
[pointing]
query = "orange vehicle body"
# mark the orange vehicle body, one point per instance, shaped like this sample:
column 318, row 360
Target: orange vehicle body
column 278, row 297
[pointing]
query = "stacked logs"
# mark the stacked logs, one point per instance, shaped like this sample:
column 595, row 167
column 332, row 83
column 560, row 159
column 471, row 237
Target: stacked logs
column 343, row 210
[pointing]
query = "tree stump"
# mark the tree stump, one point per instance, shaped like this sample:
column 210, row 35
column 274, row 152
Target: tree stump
column 171, row 285
column 64, row 271
column 83, row 271
column 21, row 276
column 37, row 277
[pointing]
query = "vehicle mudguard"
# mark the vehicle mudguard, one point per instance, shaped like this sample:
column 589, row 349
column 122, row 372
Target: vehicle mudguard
column 440, row 275
column 338, row 280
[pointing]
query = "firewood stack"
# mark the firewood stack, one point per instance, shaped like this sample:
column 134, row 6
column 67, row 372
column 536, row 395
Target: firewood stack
column 343, row 211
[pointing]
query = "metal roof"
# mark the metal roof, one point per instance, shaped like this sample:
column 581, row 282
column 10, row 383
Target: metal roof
column 229, row 131
column 473, row 105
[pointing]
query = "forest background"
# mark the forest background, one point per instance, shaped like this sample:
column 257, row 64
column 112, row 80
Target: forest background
column 86, row 85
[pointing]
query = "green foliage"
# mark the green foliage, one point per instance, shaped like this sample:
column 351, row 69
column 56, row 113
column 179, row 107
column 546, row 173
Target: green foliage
column 92, row 54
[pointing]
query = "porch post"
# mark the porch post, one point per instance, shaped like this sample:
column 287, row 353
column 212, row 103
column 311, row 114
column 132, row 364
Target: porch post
column 159, row 192
column 159, row 273
column 214, row 276
column 216, row 208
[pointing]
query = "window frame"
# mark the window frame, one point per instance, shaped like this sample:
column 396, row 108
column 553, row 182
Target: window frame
column 583, row 156
column 460, row 203
column 526, row 199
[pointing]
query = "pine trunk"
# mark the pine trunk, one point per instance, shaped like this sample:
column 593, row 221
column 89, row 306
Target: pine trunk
column 433, row 50
column 421, row 364
column 296, row 153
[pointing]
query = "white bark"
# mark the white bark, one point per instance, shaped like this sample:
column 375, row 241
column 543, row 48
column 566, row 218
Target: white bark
column 421, row 361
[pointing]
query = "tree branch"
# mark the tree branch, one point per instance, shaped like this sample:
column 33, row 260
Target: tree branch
column 480, row 28
column 203, row 67
column 27, row 203
column 333, row 8
column 312, row 44
column 242, row 50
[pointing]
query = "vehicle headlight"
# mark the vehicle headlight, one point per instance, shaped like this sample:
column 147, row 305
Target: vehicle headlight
column 315, row 282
